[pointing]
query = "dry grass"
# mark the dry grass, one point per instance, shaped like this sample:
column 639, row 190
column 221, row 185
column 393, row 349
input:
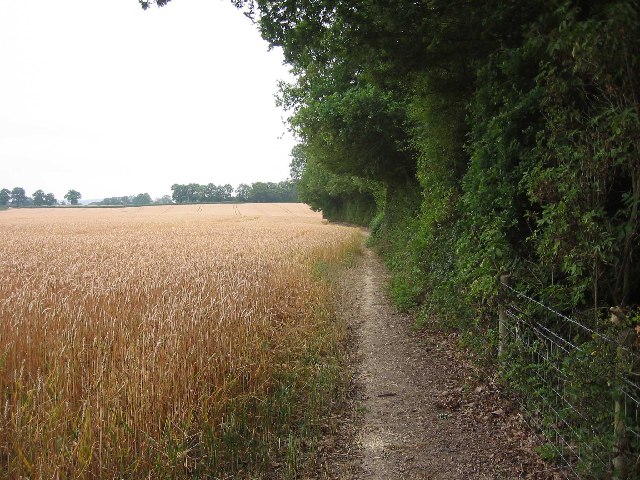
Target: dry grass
column 164, row 342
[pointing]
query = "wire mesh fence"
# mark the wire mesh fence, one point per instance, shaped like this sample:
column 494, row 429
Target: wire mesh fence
column 579, row 381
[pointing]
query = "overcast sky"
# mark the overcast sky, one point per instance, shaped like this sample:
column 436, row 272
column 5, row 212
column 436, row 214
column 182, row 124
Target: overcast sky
column 111, row 100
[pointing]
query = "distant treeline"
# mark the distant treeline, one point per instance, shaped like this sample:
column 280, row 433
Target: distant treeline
column 17, row 197
column 258, row 192
column 139, row 199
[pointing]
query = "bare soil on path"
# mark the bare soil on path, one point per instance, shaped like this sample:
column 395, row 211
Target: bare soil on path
column 419, row 410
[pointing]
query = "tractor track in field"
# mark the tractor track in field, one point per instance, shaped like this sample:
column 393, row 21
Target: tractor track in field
column 418, row 408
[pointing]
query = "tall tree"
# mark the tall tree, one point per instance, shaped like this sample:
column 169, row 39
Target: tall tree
column 38, row 197
column 194, row 193
column 210, row 193
column 242, row 192
column 227, row 192
column 18, row 196
column 50, row 199
column 179, row 193
column 73, row 196
column 142, row 199
column 5, row 196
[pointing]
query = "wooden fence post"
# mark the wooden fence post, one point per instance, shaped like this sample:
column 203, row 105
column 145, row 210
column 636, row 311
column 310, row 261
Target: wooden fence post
column 619, row 446
column 625, row 341
column 502, row 314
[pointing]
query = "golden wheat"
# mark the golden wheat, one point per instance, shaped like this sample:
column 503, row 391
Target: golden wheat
column 137, row 342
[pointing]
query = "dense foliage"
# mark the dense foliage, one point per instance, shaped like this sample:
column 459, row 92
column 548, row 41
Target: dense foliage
column 340, row 197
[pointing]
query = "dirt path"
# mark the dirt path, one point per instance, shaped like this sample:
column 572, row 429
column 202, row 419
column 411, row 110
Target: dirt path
column 418, row 411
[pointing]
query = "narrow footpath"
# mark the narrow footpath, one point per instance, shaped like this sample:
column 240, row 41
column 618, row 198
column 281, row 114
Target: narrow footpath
column 419, row 410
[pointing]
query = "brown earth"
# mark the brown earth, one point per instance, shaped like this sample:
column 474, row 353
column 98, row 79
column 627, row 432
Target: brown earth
column 418, row 407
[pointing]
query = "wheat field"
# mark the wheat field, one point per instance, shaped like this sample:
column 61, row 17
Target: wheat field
column 165, row 342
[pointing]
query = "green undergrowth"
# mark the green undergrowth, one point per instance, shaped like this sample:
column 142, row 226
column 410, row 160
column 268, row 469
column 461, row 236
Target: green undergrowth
column 275, row 436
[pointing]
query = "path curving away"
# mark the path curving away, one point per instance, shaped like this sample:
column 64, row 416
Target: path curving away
column 419, row 411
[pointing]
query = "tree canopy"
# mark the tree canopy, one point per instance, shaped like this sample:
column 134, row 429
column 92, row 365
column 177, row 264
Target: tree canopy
column 73, row 196
column 18, row 197
column 5, row 196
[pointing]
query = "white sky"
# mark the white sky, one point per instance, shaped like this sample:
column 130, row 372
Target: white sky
column 111, row 100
